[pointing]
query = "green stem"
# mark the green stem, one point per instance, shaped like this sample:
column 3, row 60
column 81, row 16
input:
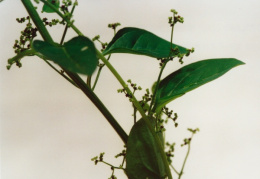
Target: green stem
column 185, row 160
column 97, row 77
column 156, row 89
column 80, row 83
column 98, row 74
column 111, row 165
column 20, row 56
column 174, row 170
column 66, row 28
column 61, row 73
column 62, row 16
column 159, row 77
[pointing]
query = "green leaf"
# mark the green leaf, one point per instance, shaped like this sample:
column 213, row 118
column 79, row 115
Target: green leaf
column 140, row 42
column 190, row 77
column 77, row 55
column 47, row 9
column 143, row 159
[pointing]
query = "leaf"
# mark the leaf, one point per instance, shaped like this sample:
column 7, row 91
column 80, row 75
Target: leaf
column 77, row 55
column 47, row 9
column 190, row 77
column 140, row 42
column 143, row 159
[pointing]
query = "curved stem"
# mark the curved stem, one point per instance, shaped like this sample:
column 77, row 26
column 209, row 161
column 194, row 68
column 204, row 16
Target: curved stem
column 62, row 74
column 80, row 83
column 97, row 77
column 156, row 89
column 185, row 160
column 174, row 170
column 66, row 28
column 159, row 77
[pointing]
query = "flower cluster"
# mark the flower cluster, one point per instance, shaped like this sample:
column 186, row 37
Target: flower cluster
column 27, row 35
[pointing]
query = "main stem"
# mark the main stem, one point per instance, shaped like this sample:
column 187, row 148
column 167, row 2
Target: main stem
column 80, row 83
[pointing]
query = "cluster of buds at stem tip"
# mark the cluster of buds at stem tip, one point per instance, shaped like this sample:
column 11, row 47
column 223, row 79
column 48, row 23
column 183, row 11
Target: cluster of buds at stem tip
column 27, row 35
column 98, row 159
column 103, row 45
column 176, row 18
column 180, row 56
column 114, row 25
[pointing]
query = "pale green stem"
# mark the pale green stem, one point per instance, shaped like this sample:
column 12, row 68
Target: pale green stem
column 159, row 77
column 174, row 169
column 185, row 160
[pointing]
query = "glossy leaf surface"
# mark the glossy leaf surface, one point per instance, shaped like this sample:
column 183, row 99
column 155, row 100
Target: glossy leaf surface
column 143, row 159
column 190, row 77
column 140, row 42
column 47, row 9
column 77, row 55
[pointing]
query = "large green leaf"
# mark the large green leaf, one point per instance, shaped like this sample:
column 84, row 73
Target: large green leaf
column 143, row 159
column 77, row 55
column 190, row 77
column 47, row 9
column 141, row 42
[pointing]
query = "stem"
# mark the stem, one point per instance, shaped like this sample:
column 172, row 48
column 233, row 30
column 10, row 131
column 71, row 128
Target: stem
column 92, row 96
column 80, row 83
column 99, row 72
column 97, row 77
column 185, row 160
column 66, row 28
column 160, row 74
column 156, row 89
column 62, row 74
column 111, row 165
column 174, row 170
column 20, row 56
column 62, row 16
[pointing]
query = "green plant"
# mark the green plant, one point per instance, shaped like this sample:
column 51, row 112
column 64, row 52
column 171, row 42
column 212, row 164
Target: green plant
column 147, row 154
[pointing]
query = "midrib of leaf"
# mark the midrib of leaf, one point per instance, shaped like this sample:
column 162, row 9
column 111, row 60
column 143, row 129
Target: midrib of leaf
column 66, row 53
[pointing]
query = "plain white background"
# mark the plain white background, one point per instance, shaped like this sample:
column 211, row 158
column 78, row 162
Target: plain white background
column 50, row 130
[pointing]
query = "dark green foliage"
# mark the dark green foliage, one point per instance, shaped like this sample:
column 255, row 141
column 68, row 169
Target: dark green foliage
column 143, row 158
column 141, row 42
column 77, row 55
column 190, row 77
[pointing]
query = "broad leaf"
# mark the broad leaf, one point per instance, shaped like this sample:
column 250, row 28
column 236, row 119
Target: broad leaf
column 143, row 159
column 141, row 42
column 47, row 9
column 77, row 55
column 190, row 77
